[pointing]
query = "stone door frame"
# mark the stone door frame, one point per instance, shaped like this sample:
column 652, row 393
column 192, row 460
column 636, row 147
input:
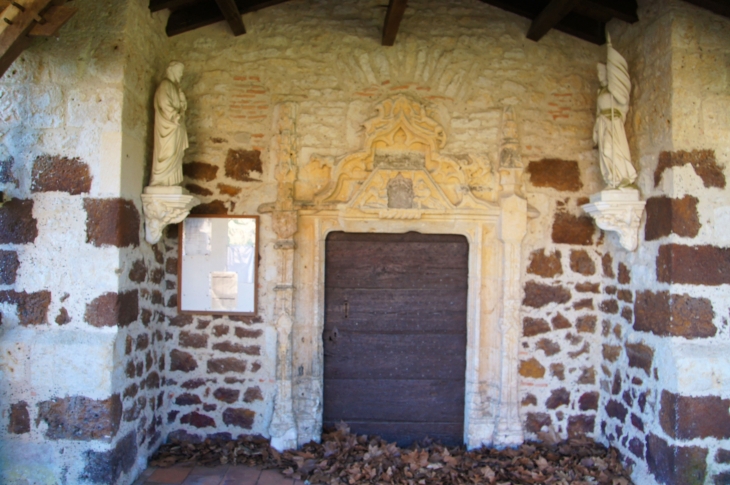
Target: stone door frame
column 491, row 411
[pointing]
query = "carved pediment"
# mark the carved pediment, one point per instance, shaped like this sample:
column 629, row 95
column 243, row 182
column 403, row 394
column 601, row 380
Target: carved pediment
column 401, row 169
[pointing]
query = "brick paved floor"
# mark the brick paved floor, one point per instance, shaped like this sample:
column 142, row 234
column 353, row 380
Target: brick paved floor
column 221, row 475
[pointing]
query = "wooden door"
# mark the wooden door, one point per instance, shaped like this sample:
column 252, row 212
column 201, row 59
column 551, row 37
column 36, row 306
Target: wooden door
column 395, row 335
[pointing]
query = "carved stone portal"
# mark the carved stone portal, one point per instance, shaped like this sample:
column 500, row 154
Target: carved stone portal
column 398, row 183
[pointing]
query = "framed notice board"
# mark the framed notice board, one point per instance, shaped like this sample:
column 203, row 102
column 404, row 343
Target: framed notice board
column 218, row 265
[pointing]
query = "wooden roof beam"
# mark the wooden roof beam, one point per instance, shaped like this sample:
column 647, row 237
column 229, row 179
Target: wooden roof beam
column 232, row 15
column 193, row 16
column 393, row 17
column 549, row 17
column 157, row 5
column 720, row 7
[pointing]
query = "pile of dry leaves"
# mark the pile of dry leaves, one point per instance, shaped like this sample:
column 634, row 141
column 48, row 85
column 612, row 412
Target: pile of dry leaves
column 344, row 458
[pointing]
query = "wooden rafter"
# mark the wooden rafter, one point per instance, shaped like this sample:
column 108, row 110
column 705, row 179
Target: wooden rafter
column 554, row 12
column 393, row 17
column 195, row 15
column 24, row 18
column 232, row 15
column 157, row 5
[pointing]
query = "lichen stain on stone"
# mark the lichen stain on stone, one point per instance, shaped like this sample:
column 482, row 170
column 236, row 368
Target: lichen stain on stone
column 241, row 163
column 60, row 174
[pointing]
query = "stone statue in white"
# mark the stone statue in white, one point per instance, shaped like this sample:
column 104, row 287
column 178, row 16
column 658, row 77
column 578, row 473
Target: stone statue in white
column 164, row 201
column 171, row 137
column 608, row 132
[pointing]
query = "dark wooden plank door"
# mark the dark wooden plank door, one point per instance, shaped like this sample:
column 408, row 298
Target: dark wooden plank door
column 395, row 335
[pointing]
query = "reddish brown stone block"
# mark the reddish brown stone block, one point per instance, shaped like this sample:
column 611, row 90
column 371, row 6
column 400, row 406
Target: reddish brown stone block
column 693, row 265
column 548, row 346
column 531, row 368
column 626, row 296
column 674, row 315
column 63, row 317
column 246, row 333
column 157, row 275
column 558, row 370
column 536, row 421
column 559, row 397
column 570, row 229
column 676, row 465
column 686, row 417
column 545, row 265
column 581, row 262
column 624, row 275
column 182, row 361
column 253, row 394
column 181, row 320
column 6, row 172
column 581, row 425
column 112, row 309
column 60, row 174
column 131, row 391
column 198, row 190
column 9, row 264
column 640, row 356
column 227, row 364
column 200, row 171
column 529, row 400
column 239, row 417
column 32, row 307
column 588, row 287
column 230, row 190
column 538, row 295
column 183, row 436
column 534, row 326
column 19, row 418
column 588, row 401
column 198, row 420
column 112, row 222
column 214, row 207
column 226, row 395
column 616, row 410
column 586, row 324
column 637, row 422
column 584, row 304
column 609, row 306
column 193, row 340
column 237, row 348
column 80, row 418
column 17, row 225
column 240, row 164
column 607, row 265
column 562, row 175
column 636, row 446
column 587, row 376
column 138, row 273
column 187, row 399
column 665, row 216
column 107, row 466
column 722, row 456
column 560, row 322
column 702, row 161
column 245, row 319
column 220, row 330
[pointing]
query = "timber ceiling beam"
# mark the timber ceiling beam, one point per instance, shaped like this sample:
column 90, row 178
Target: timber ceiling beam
column 549, row 17
column 24, row 18
column 192, row 16
column 720, row 7
column 232, row 15
column 393, row 17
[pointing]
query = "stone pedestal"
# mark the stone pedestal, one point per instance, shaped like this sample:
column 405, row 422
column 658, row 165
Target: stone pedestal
column 618, row 210
column 163, row 206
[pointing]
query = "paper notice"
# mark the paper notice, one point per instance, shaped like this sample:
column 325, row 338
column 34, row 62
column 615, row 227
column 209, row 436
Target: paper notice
column 223, row 290
column 197, row 236
column 240, row 260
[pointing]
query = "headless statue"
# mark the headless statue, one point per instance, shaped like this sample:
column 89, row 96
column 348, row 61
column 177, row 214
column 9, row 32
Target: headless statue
column 171, row 138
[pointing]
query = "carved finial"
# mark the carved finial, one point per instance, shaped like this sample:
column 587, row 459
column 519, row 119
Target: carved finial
column 509, row 153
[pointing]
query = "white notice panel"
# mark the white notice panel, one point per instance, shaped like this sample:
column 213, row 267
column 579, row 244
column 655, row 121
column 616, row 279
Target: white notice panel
column 218, row 265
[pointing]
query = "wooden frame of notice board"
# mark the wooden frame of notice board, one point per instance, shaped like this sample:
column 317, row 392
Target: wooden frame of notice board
column 218, row 265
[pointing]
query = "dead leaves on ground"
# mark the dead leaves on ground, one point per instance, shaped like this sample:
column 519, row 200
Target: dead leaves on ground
column 346, row 459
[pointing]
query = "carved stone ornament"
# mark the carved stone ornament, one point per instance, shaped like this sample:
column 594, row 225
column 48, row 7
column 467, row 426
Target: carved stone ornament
column 163, row 206
column 618, row 210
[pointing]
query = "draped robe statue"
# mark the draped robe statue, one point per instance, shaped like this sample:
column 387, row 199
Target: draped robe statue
column 171, row 138
column 608, row 132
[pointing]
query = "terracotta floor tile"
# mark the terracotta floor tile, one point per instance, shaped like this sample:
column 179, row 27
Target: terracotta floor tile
column 204, row 480
column 273, row 477
column 204, row 471
column 243, row 475
column 174, row 475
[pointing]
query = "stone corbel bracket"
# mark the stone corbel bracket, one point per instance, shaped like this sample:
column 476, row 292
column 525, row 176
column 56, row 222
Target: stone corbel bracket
column 163, row 206
column 618, row 210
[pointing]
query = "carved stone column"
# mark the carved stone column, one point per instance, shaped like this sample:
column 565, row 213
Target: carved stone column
column 283, row 428
column 512, row 229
